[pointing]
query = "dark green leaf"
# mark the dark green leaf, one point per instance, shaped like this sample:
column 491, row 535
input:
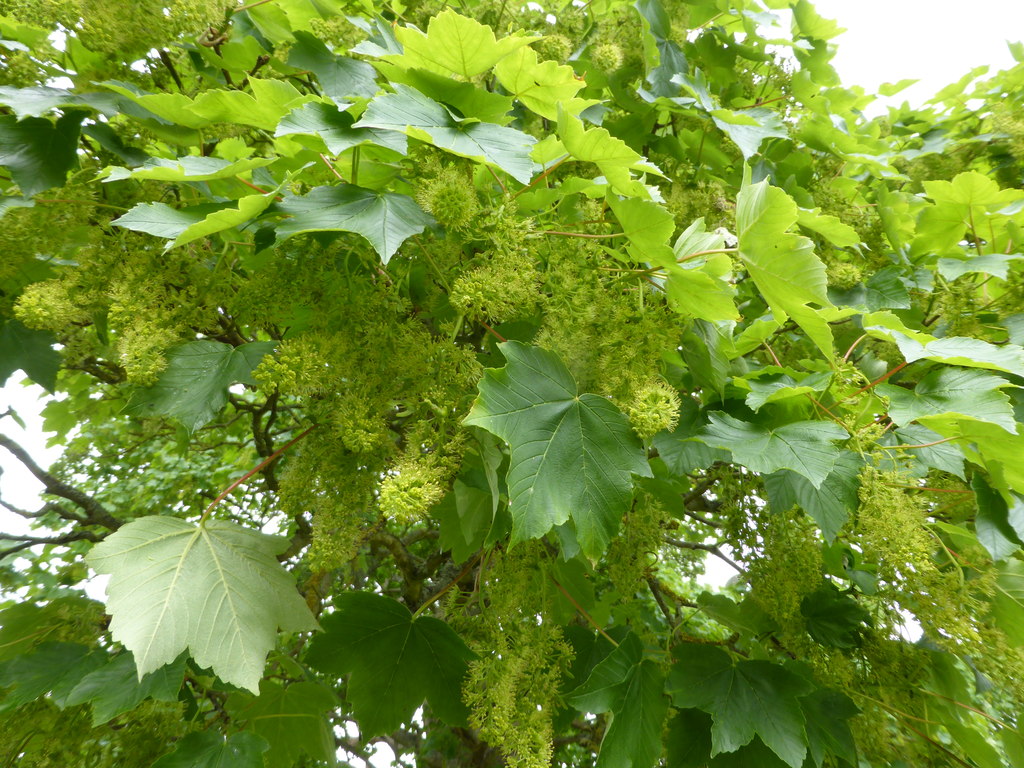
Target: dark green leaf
column 804, row 447
column 830, row 504
column 53, row 668
column 38, row 152
column 193, row 387
column 409, row 111
column 573, row 456
column 116, row 688
column 833, row 618
column 334, row 126
column 395, row 661
column 208, row 749
column 385, row 219
column 30, row 351
column 341, row 78
column 998, row 525
column 750, row 698
column 292, row 720
column 828, row 731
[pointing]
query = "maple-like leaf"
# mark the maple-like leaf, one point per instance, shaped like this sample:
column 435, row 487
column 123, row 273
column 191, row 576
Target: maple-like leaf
column 215, row 590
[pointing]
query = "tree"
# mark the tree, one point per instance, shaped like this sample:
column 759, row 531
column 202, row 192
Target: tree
column 411, row 361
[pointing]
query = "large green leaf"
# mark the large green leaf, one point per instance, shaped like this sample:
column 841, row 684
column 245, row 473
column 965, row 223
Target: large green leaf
column 420, row 117
column 215, row 590
column 193, row 387
column 39, row 152
column 188, row 168
column 208, row 749
column 116, row 688
column 833, row 618
column 746, row 699
column 783, row 265
column 454, row 44
column 943, row 391
column 1008, row 600
column 386, row 219
column 804, row 447
column 292, row 720
column 613, row 156
column 629, row 687
column 572, row 455
column 395, row 661
column 161, row 220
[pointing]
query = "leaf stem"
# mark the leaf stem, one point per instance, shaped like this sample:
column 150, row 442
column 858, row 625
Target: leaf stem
column 582, row 234
column 713, row 251
column 227, row 491
column 877, row 381
column 441, row 592
column 539, row 178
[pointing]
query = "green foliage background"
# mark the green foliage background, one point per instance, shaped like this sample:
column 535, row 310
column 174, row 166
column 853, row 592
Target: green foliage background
column 412, row 359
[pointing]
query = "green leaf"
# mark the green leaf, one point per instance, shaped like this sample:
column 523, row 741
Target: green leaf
column 688, row 744
column 395, row 661
column 783, row 265
column 613, row 156
column 53, row 668
column 38, row 100
column 770, row 387
column 340, row 77
column 631, row 688
column 698, row 282
column 541, row 86
column 292, row 720
column 30, row 351
column 454, row 44
column 831, row 228
column 116, row 688
column 193, row 387
column 804, row 447
column 249, row 207
column 997, row 264
column 946, row 457
column 215, row 590
column 269, row 102
column 385, row 219
column 998, row 525
column 832, row 618
column 38, row 152
column 647, row 225
column 944, row 391
column 830, row 504
column 208, row 749
column 750, row 698
column 335, row 128
column 161, row 220
column 572, row 455
column 420, row 117
column 25, row 625
column 188, row 168
column 828, row 731
column 1008, row 600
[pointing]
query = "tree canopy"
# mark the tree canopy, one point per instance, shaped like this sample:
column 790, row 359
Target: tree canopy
column 410, row 362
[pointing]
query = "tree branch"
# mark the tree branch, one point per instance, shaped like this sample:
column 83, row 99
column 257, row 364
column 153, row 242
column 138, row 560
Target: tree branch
column 95, row 513
column 29, row 541
column 712, row 548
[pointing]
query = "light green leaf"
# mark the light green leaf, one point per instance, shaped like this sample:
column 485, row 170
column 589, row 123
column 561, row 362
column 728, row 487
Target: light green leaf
column 541, row 86
column 613, row 156
column 189, row 168
column 952, row 350
column 454, row 44
column 38, row 152
column 395, row 661
column 1008, row 600
column 804, row 447
column 249, row 207
column 750, row 128
column 748, row 699
column 420, row 117
column 385, row 219
column 38, row 100
column 773, row 387
column 647, row 225
column 208, row 749
column 831, row 228
column 783, row 265
column 215, row 590
column 291, row 719
column 269, row 102
column 573, row 456
column 161, row 220
column 193, row 386
column 335, row 128
column 116, row 688
column 946, row 391
column 997, row 264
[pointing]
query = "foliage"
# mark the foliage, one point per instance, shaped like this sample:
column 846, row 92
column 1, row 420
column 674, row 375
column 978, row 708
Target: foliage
column 411, row 363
